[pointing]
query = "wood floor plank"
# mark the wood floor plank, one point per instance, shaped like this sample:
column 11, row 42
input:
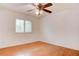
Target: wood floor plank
column 38, row 49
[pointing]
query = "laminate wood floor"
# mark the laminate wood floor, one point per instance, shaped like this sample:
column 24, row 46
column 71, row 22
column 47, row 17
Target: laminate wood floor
column 38, row 49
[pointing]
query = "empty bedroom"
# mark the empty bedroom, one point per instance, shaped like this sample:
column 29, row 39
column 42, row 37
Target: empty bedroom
column 39, row 29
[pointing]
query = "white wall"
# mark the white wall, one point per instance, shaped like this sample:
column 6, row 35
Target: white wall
column 62, row 26
column 8, row 36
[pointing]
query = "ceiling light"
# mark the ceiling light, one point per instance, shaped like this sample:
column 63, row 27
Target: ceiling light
column 38, row 12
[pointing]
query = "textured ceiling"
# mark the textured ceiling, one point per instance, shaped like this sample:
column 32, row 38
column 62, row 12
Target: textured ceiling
column 24, row 7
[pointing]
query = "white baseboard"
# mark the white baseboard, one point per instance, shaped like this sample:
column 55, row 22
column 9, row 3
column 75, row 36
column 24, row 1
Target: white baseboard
column 19, row 43
column 26, row 42
column 58, row 44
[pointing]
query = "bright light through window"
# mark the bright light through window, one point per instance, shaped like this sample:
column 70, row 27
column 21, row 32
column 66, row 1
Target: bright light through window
column 23, row 25
column 28, row 26
column 19, row 25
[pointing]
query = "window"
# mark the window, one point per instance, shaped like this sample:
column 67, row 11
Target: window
column 28, row 27
column 19, row 25
column 23, row 25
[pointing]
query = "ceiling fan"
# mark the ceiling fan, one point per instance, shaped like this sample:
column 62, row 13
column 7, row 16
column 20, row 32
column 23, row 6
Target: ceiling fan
column 42, row 7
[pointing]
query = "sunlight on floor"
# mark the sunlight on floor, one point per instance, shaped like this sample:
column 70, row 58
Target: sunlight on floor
column 23, row 54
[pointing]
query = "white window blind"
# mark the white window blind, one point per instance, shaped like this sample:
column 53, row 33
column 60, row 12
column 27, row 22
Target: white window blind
column 28, row 26
column 23, row 25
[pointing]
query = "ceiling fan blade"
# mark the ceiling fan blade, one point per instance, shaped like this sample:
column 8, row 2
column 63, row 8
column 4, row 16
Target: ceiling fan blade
column 48, row 5
column 33, row 4
column 30, row 10
column 48, row 11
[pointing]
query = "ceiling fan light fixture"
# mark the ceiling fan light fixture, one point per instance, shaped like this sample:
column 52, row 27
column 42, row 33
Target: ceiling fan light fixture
column 38, row 12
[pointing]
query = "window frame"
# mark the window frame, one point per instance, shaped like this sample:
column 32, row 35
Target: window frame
column 24, row 26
